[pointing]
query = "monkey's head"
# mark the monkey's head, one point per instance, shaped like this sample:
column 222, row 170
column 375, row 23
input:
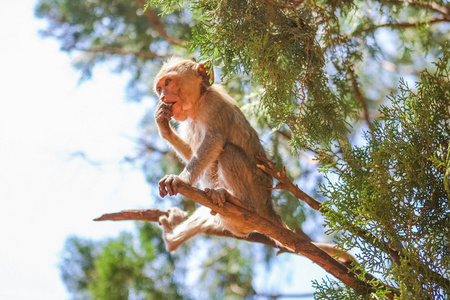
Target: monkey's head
column 182, row 83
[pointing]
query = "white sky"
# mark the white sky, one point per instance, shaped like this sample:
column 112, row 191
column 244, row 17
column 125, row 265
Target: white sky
column 45, row 195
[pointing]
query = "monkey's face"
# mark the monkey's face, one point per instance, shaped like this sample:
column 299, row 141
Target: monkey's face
column 181, row 84
column 179, row 93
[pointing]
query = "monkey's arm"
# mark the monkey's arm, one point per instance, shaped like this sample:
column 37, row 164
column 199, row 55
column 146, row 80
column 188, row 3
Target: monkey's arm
column 180, row 146
column 163, row 114
column 208, row 152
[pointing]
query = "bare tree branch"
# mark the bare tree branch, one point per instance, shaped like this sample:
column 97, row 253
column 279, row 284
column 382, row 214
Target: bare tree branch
column 292, row 5
column 159, row 26
column 359, row 95
column 112, row 50
column 443, row 10
column 412, row 25
column 285, row 184
column 296, row 242
column 151, row 215
column 276, row 296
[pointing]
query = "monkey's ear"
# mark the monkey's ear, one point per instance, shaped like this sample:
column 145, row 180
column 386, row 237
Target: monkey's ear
column 206, row 72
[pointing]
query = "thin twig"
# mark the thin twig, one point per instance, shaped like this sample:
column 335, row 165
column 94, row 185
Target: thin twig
column 411, row 25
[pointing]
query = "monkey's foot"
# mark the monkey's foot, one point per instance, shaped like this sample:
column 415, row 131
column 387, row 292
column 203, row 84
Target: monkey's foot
column 218, row 196
column 175, row 217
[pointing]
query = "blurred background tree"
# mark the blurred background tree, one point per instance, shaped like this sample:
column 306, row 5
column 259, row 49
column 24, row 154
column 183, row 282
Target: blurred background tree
column 321, row 82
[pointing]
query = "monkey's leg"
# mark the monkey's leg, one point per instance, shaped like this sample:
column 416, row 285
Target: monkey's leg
column 199, row 222
column 244, row 180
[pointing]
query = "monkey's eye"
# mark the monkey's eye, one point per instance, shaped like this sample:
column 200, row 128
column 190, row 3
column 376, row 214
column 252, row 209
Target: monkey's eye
column 167, row 82
column 158, row 90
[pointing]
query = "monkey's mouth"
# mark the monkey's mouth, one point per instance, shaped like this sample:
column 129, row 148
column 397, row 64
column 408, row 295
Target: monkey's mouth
column 171, row 103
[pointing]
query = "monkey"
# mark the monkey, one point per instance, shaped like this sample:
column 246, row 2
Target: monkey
column 219, row 147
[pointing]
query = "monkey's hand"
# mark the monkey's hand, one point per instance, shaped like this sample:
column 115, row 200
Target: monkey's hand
column 169, row 184
column 163, row 114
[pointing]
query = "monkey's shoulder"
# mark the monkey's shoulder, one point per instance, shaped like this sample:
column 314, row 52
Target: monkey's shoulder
column 217, row 99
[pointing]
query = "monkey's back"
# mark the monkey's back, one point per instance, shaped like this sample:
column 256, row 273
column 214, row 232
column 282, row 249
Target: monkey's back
column 220, row 118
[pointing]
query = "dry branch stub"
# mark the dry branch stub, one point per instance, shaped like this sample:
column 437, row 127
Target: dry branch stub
column 151, row 215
